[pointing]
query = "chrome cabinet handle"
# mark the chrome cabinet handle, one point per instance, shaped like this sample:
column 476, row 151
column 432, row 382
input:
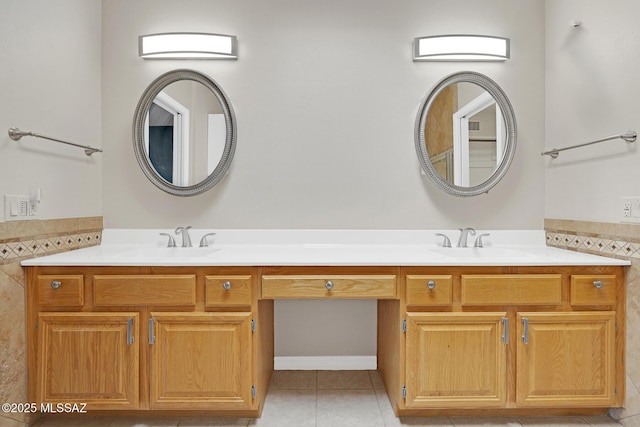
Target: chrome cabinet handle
column 598, row 284
column 329, row 285
column 525, row 336
column 431, row 284
column 56, row 284
column 226, row 285
column 130, row 331
column 152, row 331
column 505, row 336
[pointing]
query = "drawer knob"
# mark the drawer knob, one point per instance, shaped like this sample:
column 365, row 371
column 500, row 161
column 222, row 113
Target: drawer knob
column 431, row 284
column 329, row 285
column 598, row 284
column 56, row 284
column 226, row 285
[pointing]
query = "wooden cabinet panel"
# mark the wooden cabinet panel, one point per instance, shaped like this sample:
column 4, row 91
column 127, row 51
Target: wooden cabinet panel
column 228, row 291
column 60, row 290
column 332, row 286
column 137, row 290
column 456, row 360
column 566, row 359
column 201, row 360
column 90, row 358
column 435, row 290
column 593, row 290
column 512, row 289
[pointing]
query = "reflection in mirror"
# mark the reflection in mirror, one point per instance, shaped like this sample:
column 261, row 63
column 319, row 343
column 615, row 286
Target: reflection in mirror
column 184, row 133
column 466, row 134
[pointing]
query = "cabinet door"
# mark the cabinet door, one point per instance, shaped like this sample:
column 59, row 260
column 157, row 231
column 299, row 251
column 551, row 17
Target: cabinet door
column 566, row 359
column 90, row 358
column 456, row 360
column 201, row 361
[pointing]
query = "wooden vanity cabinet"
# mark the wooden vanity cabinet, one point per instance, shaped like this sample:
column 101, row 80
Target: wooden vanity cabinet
column 143, row 338
column 451, row 340
column 517, row 340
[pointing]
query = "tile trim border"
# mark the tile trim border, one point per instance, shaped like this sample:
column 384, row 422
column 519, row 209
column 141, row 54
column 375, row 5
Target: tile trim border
column 599, row 238
column 29, row 239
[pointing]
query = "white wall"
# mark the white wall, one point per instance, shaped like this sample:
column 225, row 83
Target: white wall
column 326, row 95
column 591, row 92
column 50, row 83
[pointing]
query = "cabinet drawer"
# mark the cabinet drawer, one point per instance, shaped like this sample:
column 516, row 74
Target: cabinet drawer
column 336, row 286
column 135, row 290
column 593, row 290
column 227, row 291
column 512, row 289
column 429, row 290
column 62, row 290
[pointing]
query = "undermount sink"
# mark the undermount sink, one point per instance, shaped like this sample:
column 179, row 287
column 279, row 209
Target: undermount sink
column 167, row 252
column 501, row 253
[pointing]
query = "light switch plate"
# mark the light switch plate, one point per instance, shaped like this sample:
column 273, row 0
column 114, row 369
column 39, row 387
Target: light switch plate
column 17, row 208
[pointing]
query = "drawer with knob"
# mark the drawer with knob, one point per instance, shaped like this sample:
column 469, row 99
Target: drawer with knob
column 593, row 289
column 228, row 291
column 332, row 286
column 429, row 290
column 61, row 290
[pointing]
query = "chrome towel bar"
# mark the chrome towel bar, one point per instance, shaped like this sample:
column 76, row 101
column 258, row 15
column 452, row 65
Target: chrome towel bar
column 16, row 134
column 630, row 136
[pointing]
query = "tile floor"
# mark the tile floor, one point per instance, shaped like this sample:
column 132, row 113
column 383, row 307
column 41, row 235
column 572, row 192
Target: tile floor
column 328, row 399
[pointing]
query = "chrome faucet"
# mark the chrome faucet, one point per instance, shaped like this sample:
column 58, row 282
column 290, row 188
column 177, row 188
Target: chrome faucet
column 186, row 239
column 204, row 242
column 172, row 241
column 446, row 243
column 478, row 243
column 462, row 241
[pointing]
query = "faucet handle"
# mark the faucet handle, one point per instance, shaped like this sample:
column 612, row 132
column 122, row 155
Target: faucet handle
column 446, row 243
column 172, row 241
column 203, row 242
column 478, row 243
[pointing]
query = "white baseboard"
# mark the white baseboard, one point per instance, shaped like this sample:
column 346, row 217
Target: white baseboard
column 326, row 363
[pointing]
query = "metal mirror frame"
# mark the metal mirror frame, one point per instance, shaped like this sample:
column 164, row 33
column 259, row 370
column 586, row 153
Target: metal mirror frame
column 139, row 118
column 511, row 133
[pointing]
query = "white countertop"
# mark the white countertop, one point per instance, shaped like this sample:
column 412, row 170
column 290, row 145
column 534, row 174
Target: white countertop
column 145, row 247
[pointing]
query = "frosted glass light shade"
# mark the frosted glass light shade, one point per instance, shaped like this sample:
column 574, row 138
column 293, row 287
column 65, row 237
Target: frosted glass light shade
column 461, row 48
column 187, row 46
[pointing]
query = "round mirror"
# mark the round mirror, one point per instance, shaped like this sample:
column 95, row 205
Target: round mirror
column 465, row 134
column 184, row 133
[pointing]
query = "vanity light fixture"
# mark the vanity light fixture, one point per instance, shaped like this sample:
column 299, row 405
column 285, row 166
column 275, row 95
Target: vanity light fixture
column 187, row 46
column 461, row 47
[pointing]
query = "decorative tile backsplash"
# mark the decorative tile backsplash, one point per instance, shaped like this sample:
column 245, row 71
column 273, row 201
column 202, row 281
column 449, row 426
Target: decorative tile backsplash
column 28, row 239
column 602, row 245
column 11, row 251
column 607, row 239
